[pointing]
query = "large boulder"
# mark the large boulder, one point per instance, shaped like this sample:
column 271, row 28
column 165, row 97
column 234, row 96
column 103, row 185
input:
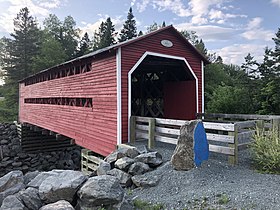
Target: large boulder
column 12, row 202
column 62, row 186
column 59, row 205
column 145, row 181
column 10, row 184
column 192, row 146
column 37, row 181
column 124, row 163
column 124, row 178
column 138, row 168
column 153, row 159
column 30, row 198
column 102, row 190
column 103, row 168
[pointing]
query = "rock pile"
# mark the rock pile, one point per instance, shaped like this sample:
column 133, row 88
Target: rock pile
column 68, row 189
column 13, row 158
column 60, row 189
column 129, row 164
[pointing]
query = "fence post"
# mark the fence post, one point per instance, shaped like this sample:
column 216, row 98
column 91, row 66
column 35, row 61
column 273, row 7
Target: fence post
column 260, row 124
column 234, row 159
column 152, row 127
column 276, row 125
column 132, row 129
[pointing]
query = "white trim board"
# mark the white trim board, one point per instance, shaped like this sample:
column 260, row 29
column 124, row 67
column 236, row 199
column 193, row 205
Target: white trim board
column 119, row 96
column 163, row 56
column 202, row 87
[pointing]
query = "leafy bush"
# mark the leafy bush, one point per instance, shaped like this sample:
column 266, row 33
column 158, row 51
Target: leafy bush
column 266, row 151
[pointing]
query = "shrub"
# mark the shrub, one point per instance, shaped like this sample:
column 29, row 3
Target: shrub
column 266, row 151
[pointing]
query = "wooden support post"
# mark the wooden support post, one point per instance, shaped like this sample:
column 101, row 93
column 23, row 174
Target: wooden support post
column 276, row 126
column 132, row 129
column 234, row 159
column 260, row 124
column 152, row 129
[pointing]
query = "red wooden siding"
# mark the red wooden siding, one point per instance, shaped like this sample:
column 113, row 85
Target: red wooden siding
column 132, row 53
column 93, row 128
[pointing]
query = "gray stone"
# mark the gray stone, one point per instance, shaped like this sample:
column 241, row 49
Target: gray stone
column 131, row 152
column 12, row 202
column 100, row 190
column 145, row 181
column 138, row 168
column 37, row 181
column 124, row 205
column 59, row 205
column 13, row 127
column 17, row 164
column 124, row 163
column 30, row 198
column 183, row 156
column 153, row 159
column 10, row 184
column 103, row 168
column 4, row 142
column 124, row 178
column 62, row 186
column 29, row 176
column 142, row 149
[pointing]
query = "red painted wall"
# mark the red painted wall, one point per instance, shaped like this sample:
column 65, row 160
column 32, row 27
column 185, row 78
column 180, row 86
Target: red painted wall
column 93, row 128
column 132, row 53
column 179, row 100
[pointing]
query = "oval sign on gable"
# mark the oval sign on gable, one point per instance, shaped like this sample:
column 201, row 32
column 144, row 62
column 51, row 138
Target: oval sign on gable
column 166, row 43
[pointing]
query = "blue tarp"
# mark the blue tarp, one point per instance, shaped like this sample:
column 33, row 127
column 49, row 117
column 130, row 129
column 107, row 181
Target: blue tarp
column 201, row 146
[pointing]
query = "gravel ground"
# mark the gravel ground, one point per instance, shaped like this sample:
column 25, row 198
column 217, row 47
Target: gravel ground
column 214, row 185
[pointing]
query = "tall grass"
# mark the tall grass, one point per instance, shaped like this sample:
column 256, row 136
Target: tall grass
column 266, row 151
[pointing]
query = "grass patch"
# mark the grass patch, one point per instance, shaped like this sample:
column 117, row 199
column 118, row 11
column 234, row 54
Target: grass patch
column 143, row 205
column 266, row 151
column 223, row 199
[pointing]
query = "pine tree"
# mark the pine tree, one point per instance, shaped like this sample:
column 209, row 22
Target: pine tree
column 129, row 30
column 163, row 24
column 84, row 45
column 105, row 35
column 109, row 33
column 20, row 51
column 140, row 33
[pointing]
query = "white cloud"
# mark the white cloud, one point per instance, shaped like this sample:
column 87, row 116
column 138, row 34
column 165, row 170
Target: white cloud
column 38, row 8
column 142, row 6
column 276, row 2
column 234, row 54
column 254, row 31
column 209, row 33
column 176, row 6
column 90, row 28
column 255, row 23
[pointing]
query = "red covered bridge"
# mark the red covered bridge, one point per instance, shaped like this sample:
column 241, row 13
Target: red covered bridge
column 91, row 98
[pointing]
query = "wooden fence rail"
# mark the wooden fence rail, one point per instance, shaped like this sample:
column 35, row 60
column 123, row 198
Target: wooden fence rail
column 224, row 137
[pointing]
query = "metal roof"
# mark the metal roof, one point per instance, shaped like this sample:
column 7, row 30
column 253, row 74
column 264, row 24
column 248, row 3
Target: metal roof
column 116, row 46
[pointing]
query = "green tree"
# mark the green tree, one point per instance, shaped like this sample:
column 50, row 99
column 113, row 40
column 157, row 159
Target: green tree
column 51, row 54
column 105, row 35
column 84, row 46
column 198, row 43
column 269, row 71
column 20, row 51
column 153, row 27
column 129, row 30
column 64, row 32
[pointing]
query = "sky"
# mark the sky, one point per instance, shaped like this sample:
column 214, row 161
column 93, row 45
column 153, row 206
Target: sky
column 230, row 28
